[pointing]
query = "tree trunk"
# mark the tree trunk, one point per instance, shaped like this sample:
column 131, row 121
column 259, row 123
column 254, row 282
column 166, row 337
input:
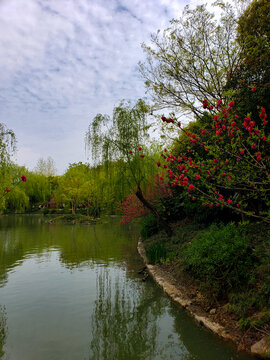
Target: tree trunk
column 153, row 210
column 73, row 207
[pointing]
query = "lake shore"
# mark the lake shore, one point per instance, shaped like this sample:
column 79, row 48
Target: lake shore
column 215, row 319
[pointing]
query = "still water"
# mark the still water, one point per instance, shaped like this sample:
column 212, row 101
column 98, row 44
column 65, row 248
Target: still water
column 73, row 292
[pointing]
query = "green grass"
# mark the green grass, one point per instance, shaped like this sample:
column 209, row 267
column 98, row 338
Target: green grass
column 229, row 262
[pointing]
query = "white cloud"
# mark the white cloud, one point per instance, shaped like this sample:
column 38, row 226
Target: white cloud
column 64, row 61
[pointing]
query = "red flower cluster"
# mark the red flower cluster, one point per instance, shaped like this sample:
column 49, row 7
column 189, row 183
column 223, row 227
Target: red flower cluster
column 167, row 120
column 217, row 170
column 23, row 178
column 132, row 208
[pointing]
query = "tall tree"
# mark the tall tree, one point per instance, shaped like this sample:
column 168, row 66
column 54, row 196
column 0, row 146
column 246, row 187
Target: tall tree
column 192, row 60
column 46, row 167
column 71, row 188
column 253, row 71
column 123, row 140
column 7, row 148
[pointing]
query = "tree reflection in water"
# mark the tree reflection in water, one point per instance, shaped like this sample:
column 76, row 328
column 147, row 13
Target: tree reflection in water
column 124, row 322
column 3, row 330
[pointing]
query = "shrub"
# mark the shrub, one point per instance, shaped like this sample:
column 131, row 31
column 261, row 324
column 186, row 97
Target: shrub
column 149, row 227
column 156, row 254
column 220, row 258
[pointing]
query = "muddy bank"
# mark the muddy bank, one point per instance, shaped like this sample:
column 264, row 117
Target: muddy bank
column 215, row 319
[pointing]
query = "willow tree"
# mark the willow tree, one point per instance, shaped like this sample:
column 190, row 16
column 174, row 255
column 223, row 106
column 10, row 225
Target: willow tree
column 7, row 148
column 122, row 141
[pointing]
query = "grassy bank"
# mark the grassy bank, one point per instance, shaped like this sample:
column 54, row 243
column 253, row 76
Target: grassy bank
column 224, row 266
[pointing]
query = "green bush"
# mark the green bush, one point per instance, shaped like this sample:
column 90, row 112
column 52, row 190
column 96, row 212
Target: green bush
column 149, row 226
column 156, row 254
column 220, row 258
column 171, row 208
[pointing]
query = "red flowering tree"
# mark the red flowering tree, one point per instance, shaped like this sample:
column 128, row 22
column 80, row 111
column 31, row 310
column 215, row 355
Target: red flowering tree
column 235, row 169
column 133, row 208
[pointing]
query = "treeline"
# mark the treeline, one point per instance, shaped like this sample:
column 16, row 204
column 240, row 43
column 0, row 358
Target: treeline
column 91, row 190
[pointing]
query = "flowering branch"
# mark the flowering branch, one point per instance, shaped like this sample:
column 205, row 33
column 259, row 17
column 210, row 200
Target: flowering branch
column 23, row 179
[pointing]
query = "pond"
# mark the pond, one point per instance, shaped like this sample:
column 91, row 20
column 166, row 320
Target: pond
column 74, row 292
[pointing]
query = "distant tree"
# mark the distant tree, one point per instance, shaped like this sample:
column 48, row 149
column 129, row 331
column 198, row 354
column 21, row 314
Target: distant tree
column 7, row 148
column 7, row 144
column 46, row 167
column 192, row 60
column 71, row 185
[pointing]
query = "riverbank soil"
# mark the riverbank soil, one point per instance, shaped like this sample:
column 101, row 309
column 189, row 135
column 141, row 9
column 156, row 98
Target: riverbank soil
column 206, row 271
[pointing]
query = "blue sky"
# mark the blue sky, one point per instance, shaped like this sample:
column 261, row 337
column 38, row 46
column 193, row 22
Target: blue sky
column 64, row 61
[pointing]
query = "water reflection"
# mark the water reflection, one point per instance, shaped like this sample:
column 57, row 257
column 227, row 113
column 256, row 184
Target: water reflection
column 3, row 330
column 77, row 245
column 73, row 292
column 122, row 324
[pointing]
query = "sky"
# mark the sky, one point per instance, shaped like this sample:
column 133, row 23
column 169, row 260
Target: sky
column 64, row 61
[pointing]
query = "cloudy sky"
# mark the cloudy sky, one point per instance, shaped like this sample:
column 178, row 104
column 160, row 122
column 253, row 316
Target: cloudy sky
column 64, row 61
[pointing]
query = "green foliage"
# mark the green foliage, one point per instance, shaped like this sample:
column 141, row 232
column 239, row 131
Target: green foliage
column 37, row 188
column 149, row 226
column 171, row 208
column 208, row 215
column 220, row 258
column 17, row 201
column 117, row 141
column 71, row 186
column 257, row 323
column 7, row 144
column 156, row 254
column 254, row 65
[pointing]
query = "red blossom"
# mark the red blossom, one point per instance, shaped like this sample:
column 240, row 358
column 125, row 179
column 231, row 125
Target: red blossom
column 205, row 103
column 254, row 88
column 23, row 178
column 139, row 148
column 219, row 102
column 142, row 156
column 7, row 190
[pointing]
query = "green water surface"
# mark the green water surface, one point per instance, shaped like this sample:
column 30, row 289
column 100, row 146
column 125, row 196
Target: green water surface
column 74, row 292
